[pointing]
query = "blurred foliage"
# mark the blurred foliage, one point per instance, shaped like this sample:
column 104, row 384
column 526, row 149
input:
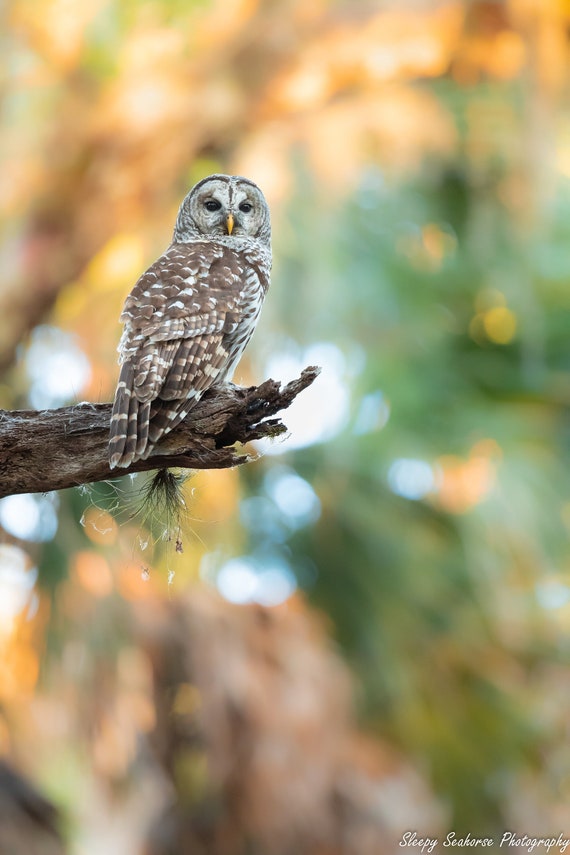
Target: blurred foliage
column 416, row 156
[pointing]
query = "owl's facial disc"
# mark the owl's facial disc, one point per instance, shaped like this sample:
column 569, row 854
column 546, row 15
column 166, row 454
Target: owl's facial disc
column 229, row 209
column 224, row 205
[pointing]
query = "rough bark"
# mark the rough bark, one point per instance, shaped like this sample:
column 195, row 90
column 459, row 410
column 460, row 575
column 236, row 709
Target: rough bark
column 54, row 449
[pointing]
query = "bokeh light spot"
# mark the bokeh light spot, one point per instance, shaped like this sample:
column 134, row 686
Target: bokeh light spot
column 322, row 410
column 93, row 573
column 267, row 580
column 464, row 483
column 500, row 324
column 17, row 580
column 274, row 586
column 411, row 479
column 294, row 496
column 28, row 516
column 57, row 368
column 237, row 581
column 552, row 594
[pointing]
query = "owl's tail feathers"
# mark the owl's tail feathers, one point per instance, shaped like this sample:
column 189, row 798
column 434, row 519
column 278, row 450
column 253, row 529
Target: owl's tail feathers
column 164, row 417
column 129, row 422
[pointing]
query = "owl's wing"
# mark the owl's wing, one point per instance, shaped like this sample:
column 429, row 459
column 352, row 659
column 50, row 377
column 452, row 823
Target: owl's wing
column 193, row 290
column 177, row 319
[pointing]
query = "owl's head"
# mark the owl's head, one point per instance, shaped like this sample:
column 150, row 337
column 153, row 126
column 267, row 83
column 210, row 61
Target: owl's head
column 224, row 205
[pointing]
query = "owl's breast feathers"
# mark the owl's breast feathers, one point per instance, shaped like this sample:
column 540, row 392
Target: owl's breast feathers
column 187, row 321
column 191, row 289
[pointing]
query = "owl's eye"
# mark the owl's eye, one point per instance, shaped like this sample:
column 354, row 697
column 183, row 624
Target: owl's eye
column 246, row 207
column 212, row 205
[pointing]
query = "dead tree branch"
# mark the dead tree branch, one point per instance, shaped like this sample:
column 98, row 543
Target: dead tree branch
column 54, row 449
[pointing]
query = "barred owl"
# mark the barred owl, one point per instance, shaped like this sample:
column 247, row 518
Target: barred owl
column 189, row 317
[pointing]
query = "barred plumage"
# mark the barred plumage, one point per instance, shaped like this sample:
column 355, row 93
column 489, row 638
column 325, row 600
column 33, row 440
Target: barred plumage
column 190, row 316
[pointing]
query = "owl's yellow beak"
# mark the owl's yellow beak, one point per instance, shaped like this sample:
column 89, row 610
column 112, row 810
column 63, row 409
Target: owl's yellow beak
column 230, row 223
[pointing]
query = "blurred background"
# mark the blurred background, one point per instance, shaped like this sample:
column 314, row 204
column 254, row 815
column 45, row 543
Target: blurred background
column 367, row 630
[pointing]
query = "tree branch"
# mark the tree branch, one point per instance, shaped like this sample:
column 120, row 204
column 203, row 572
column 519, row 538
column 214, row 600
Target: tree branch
column 54, row 449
